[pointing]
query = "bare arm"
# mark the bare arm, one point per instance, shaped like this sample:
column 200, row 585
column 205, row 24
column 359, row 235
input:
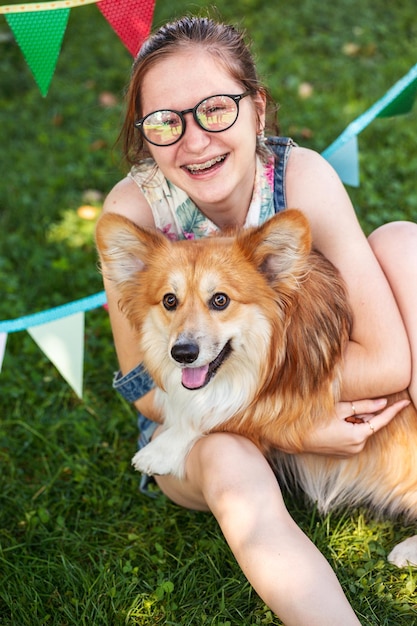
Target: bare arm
column 126, row 199
column 378, row 356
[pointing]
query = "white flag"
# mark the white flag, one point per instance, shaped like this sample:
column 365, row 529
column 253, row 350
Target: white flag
column 3, row 340
column 63, row 343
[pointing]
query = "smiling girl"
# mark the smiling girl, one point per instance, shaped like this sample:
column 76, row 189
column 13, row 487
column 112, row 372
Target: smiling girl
column 194, row 138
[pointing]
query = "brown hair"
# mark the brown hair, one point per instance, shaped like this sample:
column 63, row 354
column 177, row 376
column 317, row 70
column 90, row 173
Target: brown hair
column 221, row 40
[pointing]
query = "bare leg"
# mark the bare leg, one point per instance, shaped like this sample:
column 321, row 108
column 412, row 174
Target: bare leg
column 395, row 246
column 228, row 475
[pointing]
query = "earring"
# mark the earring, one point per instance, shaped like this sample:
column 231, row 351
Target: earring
column 260, row 137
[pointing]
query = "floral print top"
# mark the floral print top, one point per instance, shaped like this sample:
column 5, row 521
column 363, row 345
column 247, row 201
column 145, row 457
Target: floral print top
column 177, row 216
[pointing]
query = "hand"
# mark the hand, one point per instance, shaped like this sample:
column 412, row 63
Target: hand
column 345, row 438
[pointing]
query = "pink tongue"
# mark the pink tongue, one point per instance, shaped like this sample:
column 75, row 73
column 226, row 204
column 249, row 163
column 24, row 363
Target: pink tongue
column 194, row 377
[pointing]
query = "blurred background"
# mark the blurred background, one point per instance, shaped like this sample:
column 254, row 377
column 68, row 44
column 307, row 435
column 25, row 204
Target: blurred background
column 72, row 525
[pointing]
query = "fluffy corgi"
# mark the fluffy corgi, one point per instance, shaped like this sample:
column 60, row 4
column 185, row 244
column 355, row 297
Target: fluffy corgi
column 245, row 332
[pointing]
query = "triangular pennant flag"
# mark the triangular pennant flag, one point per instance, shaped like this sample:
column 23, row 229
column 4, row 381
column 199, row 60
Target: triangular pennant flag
column 403, row 103
column 39, row 35
column 343, row 152
column 130, row 19
column 345, row 161
column 3, row 340
column 63, row 343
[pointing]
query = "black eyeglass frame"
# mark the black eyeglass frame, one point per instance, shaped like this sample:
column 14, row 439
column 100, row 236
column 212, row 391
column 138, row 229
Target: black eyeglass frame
column 139, row 123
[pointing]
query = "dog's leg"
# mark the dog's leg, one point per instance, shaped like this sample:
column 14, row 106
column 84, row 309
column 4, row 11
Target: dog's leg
column 167, row 453
column 405, row 553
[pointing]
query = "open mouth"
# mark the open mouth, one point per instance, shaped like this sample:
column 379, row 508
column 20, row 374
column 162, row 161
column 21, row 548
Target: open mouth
column 198, row 377
column 201, row 168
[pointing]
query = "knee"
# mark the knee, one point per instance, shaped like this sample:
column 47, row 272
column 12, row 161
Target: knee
column 227, row 464
column 218, row 467
column 395, row 240
column 222, row 453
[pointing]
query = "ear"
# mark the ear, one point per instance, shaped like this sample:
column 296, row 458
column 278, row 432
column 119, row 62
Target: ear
column 281, row 246
column 260, row 108
column 124, row 247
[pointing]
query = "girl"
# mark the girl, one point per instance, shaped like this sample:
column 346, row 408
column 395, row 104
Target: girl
column 194, row 136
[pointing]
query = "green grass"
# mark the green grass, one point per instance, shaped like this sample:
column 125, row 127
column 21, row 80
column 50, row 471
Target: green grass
column 78, row 543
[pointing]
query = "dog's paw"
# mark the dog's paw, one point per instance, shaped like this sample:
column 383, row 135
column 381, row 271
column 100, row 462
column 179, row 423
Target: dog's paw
column 405, row 553
column 147, row 462
column 166, row 454
column 160, row 457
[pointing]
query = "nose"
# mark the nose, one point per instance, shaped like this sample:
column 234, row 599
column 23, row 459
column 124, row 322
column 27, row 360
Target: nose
column 195, row 138
column 185, row 352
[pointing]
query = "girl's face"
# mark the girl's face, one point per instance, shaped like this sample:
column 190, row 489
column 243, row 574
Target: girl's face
column 216, row 170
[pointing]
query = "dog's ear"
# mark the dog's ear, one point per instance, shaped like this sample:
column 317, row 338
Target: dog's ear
column 123, row 247
column 281, row 246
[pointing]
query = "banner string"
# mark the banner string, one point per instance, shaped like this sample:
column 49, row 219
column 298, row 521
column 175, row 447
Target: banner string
column 44, row 6
column 378, row 109
column 64, row 310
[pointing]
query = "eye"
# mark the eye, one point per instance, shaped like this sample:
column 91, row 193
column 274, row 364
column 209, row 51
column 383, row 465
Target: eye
column 214, row 109
column 170, row 301
column 219, row 301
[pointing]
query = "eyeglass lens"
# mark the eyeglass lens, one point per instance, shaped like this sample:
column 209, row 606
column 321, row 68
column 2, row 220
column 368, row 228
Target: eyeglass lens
column 214, row 114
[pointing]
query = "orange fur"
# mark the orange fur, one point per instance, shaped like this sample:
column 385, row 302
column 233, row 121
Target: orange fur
column 287, row 323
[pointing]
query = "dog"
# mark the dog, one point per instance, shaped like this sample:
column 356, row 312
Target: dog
column 245, row 332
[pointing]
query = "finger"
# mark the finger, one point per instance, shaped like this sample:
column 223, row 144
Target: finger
column 360, row 408
column 381, row 420
column 365, row 407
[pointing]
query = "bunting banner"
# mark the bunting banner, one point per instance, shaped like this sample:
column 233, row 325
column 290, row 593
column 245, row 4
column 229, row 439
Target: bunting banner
column 59, row 332
column 131, row 26
column 39, row 29
column 3, row 341
column 39, row 36
column 62, row 341
column 343, row 152
column 58, row 312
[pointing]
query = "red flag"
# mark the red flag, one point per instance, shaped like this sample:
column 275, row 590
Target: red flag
column 130, row 19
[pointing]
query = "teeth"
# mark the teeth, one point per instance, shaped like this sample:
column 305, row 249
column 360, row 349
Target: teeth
column 203, row 166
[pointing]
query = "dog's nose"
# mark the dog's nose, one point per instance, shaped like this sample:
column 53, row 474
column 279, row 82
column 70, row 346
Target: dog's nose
column 185, row 352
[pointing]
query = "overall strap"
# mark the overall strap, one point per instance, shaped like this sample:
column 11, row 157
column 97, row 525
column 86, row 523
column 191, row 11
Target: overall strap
column 281, row 147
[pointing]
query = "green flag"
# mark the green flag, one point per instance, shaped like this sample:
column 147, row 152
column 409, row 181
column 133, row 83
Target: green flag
column 403, row 103
column 39, row 35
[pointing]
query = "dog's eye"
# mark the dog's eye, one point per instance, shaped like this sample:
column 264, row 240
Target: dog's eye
column 219, row 301
column 170, row 301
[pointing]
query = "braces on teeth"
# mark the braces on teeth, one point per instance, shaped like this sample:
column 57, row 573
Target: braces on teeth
column 206, row 165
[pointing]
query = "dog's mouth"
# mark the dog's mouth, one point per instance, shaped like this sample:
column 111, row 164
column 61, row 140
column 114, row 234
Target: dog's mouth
column 198, row 377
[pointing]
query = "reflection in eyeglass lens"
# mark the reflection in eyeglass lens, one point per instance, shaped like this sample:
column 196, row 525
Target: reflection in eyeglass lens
column 162, row 126
column 217, row 113
column 213, row 114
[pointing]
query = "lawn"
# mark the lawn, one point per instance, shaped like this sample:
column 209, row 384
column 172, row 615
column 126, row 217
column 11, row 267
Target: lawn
column 78, row 543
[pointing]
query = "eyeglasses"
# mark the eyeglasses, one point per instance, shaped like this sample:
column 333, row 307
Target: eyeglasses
column 214, row 114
